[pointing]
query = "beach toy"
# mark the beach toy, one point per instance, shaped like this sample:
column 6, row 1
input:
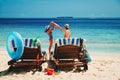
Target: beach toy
column 35, row 40
column 54, row 24
column 43, row 52
column 89, row 58
column 57, row 71
column 87, row 55
column 16, row 37
column 50, row 71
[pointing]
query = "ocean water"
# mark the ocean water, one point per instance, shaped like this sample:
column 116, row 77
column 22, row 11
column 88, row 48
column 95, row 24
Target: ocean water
column 102, row 35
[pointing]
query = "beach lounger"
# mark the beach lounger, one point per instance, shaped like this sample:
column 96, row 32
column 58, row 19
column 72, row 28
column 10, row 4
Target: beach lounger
column 67, row 53
column 32, row 55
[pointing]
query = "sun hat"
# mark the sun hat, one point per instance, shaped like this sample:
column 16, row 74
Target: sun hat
column 66, row 26
column 47, row 28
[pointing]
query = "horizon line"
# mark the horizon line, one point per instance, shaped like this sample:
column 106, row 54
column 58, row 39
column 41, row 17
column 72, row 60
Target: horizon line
column 60, row 17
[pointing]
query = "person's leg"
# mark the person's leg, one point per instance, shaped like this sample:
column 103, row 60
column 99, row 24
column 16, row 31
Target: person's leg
column 50, row 45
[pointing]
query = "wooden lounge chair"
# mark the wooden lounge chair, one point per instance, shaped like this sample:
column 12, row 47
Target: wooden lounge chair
column 32, row 55
column 67, row 53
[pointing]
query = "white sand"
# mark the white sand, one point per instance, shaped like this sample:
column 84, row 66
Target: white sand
column 102, row 67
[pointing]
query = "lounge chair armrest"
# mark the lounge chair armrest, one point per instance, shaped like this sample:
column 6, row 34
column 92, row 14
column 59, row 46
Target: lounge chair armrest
column 55, row 60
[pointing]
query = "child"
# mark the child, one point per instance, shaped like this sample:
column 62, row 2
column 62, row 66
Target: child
column 66, row 31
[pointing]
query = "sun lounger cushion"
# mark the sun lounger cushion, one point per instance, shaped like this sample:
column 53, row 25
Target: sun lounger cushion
column 70, row 41
column 27, row 43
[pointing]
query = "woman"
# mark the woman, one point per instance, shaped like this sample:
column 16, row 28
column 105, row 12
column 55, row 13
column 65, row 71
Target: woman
column 49, row 32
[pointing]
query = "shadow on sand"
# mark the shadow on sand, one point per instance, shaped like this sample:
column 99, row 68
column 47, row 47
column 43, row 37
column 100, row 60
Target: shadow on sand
column 33, row 69
column 19, row 70
column 51, row 64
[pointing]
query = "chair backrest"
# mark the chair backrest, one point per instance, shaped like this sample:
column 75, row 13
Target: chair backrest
column 28, row 42
column 68, row 48
column 30, row 51
column 70, row 41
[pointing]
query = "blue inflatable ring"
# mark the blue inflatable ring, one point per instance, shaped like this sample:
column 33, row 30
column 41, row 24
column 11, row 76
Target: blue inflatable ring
column 15, row 55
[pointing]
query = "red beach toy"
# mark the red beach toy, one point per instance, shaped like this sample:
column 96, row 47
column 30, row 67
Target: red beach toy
column 49, row 71
column 54, row 24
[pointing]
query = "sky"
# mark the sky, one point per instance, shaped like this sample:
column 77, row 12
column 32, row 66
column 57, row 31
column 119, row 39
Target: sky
column 59, row 8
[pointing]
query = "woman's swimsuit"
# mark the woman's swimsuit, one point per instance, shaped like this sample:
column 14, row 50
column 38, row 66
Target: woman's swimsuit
column 50, row 36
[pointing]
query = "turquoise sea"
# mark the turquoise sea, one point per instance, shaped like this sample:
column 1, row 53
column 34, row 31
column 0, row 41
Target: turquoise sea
column 102, row 34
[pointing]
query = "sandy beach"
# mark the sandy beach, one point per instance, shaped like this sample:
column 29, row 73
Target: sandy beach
column 102, row 67
column 91, row 26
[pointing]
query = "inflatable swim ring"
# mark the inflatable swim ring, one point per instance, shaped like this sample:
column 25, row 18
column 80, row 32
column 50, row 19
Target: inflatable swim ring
column 16, row 37
column 54, row 24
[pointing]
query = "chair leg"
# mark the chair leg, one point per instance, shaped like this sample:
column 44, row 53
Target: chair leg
column 10, row 68
column 85, row 67
column 39, row 68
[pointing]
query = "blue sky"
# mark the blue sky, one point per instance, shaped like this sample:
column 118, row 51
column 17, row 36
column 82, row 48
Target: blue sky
column 56, row 8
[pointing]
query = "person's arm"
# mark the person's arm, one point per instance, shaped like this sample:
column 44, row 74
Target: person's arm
column 69, row 33
column 55, row 25
column 61, row 29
